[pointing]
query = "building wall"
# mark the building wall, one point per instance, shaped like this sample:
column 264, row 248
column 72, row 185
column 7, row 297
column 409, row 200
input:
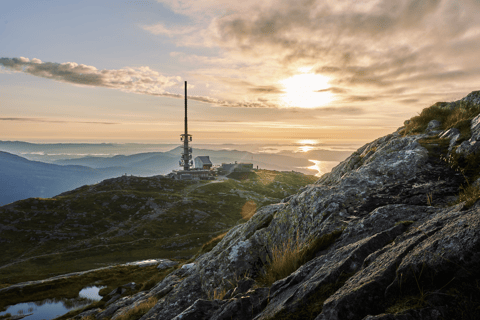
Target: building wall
column 200, row 165
column 242, row 167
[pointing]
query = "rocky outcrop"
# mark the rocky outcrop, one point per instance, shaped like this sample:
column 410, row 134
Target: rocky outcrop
column 402, row 250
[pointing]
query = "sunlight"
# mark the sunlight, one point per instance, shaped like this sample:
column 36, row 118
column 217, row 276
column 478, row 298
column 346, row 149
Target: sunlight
column 317, row 166
column 305, row 148
column 307, row 141
column 306, row 145
column 302, row 90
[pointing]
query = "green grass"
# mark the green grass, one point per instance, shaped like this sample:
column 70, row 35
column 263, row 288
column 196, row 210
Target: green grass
column 459, row 117
column 127, row 219
column 70, row 287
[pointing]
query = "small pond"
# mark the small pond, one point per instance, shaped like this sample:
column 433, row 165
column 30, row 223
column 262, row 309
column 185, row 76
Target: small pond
column 52, row 308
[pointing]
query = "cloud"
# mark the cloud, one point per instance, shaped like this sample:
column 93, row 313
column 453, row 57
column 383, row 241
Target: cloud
column 160, row 28
column 265, row 89
column 341, row 110
column 141, row 80
column 353, row 98
column 369, row 46
column 335, row 90
column 137, row 80
column 52, row 121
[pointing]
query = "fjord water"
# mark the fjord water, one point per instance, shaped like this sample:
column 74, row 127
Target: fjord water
column 52, row 308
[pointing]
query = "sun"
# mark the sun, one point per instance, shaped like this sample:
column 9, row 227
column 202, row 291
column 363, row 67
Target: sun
column 306, row 90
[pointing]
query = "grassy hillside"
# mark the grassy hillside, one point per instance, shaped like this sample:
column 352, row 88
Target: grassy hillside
column 127, row 219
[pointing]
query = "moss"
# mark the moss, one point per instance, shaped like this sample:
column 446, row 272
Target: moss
column 405, row 223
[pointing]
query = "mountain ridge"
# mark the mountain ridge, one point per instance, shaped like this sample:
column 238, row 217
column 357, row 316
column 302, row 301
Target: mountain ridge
column 390, row 234
column 128, row 218
column 42, row 179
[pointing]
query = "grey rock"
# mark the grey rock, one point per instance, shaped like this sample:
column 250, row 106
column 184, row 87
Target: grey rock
column 473, row 97
column 475, row 128
column 165, row 264
column 125, row 301
column 472, row 145
column 433, row 125
column 130, row 285
column 200, row 310
column 114, row 298
column 453, row 134
column 468, row 147
column 243, row 307
column 243, row 286
column 87, row 313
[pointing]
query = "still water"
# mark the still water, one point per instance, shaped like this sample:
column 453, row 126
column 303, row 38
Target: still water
column 52, row 308
column 322, row 167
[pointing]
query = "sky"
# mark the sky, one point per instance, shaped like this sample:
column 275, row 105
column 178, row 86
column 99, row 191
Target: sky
column 324, row 71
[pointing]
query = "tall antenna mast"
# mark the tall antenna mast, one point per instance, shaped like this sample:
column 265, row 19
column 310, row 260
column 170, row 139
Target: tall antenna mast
column 186, row 161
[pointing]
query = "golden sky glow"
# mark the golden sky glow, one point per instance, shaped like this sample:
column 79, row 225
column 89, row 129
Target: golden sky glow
column 104, row 70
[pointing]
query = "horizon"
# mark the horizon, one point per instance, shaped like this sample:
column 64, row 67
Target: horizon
column 336, row 71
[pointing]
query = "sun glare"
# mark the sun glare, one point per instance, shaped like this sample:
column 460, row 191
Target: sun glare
column 306, row 91
column 305, row 148
column 306, row 145
column 307, row 141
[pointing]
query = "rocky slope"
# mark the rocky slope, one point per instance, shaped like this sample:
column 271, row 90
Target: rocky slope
column 387, row 233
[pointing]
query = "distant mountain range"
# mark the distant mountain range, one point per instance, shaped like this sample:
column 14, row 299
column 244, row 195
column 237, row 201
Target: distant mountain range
column 21, row 178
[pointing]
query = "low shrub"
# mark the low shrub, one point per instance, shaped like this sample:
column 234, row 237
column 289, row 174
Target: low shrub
column 290, row 255
column 138, row 311
column 217, row 294
column 470, row 194
column 286, row 258
column 451, row 115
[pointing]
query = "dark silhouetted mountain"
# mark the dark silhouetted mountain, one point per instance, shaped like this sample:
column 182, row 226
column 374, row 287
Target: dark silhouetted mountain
column 21, row 178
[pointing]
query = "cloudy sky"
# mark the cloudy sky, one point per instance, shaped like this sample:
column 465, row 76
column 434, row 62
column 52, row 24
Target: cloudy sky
column 324, row 70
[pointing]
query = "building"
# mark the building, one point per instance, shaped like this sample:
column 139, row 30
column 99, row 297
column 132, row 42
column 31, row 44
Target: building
column 203, row 162
column 192, row 174
column 237, row 167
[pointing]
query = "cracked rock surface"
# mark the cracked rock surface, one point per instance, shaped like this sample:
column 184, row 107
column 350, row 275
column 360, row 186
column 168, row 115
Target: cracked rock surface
column 403, row 250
